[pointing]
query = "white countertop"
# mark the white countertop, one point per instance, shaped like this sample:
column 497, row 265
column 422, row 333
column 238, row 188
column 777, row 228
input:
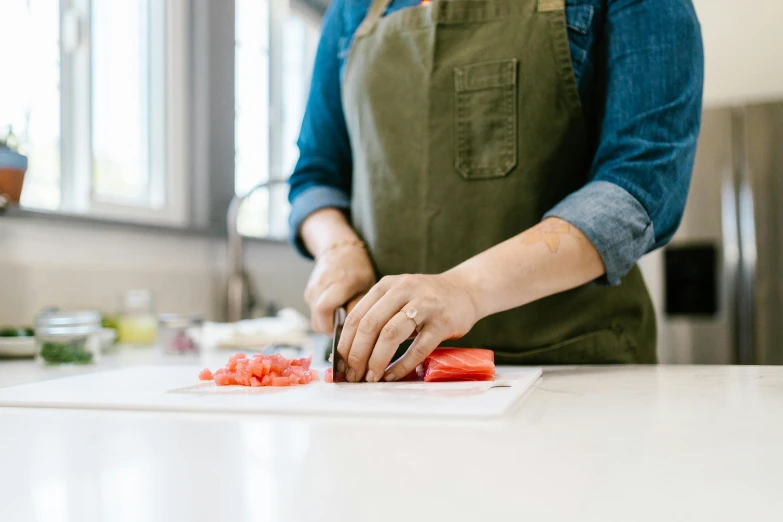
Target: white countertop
column 604, row 444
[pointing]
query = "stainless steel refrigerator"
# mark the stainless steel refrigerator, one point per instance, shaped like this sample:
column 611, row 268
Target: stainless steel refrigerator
column 719, row 284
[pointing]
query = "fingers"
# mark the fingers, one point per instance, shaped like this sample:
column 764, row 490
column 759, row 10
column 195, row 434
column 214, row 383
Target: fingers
column 323, row 309
column 353, row 302
column 355, row 316
column 320, row 279
column 369, row 331
column 314, row 290
column 428, row 339
column 397, row 330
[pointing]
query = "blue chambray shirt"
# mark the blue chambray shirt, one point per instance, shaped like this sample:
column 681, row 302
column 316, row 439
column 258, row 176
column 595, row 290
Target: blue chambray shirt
column 639, row 65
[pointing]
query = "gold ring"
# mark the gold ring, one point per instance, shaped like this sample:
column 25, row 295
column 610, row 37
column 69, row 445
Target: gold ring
column 410, row 313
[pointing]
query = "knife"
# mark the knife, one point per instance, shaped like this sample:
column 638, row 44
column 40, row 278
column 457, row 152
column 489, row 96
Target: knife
column 339, row 323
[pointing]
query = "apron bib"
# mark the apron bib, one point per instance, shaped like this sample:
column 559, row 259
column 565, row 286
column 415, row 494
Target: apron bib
column 466, row 127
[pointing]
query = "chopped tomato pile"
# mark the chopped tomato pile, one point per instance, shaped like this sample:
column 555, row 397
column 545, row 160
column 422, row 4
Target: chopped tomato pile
column 262, row 370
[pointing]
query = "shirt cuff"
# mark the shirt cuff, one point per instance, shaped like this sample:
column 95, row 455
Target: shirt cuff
column 614, row 221
column 308, row 202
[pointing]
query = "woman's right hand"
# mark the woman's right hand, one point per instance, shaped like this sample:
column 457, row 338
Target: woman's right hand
column 342, row 275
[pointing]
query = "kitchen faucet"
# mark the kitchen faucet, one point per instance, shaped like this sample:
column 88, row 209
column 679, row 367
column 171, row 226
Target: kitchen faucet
column 240, row 296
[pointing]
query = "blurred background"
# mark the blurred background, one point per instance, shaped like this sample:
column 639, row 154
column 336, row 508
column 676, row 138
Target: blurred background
column 140, row 121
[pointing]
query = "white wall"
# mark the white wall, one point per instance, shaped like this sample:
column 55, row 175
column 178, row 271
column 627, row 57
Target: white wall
column 77, row 266
column 742, row 42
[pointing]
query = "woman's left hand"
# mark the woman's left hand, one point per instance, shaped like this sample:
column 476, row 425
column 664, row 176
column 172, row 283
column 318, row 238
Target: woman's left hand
column 438, row 307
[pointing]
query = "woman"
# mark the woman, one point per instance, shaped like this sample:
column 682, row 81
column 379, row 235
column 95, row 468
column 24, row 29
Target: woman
column 514, row 158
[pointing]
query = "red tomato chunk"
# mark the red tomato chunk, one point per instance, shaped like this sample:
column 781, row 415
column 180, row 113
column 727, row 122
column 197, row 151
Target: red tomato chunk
column 262, row 370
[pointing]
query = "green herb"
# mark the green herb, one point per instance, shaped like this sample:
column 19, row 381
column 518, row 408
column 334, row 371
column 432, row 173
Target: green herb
column 16, row 332
column 109, row 322
column 9, row 140
column 60, row 353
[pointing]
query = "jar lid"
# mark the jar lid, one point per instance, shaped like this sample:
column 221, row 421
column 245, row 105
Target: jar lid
column 180, row 320
column 76, row 318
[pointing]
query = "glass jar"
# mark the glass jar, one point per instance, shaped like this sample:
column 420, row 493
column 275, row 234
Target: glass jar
column 137, row 324
column 179, row 333
column 68, row 337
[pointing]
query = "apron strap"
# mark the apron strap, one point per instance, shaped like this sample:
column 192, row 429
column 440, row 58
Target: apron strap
column 374, row 14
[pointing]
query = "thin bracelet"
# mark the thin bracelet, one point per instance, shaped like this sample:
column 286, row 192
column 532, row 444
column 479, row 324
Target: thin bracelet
column 342, row 243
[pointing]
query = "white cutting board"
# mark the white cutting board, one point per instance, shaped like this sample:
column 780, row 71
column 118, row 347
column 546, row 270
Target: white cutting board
column 176, row 388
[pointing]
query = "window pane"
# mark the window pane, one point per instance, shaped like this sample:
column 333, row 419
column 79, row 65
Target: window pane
column 30, row 92
column 299, row 51
column 252, row 94
column 120, row 99
column 253, row 218
column 265, row 213
column 279, row 210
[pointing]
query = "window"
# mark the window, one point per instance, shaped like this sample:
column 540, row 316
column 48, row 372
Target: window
column 101, row 117
column 122, row 85
column 102, row 96
column 275, row 49
column 30, row 92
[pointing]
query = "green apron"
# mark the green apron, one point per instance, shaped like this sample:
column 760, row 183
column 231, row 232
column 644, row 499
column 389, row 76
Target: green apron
column 466, row 127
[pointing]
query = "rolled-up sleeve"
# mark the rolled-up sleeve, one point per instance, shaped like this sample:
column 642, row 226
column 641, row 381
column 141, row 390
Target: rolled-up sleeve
column 322, row 176
column 651, row 85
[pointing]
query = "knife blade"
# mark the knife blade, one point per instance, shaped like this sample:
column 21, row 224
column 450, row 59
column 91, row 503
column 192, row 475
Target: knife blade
column 339, row 323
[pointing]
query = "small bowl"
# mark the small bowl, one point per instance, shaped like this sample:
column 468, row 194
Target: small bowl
column 17, row 347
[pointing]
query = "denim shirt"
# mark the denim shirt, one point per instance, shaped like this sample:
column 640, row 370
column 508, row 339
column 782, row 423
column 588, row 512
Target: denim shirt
column 639, row 65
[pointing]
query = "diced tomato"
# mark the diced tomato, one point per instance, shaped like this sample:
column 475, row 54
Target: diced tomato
column 222, row 380
column 278, row 364
column 262, row 370
column 258, row 367
column 280, row 381
column 303, row 362
column 205, row 375
column 328, row 377
column 243, row 378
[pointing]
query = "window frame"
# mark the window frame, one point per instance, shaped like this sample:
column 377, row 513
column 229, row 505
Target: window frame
column 168, row 108
column 200, row 116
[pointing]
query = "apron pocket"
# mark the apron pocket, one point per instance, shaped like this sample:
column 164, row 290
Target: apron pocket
column 486, row 119
column 606, row 346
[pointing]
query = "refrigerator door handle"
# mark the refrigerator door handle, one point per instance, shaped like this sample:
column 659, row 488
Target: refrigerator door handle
column 748, row 251
column 749, row 254
column 731, row 255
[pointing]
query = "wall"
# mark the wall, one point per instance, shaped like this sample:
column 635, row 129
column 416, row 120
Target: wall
column 742, row 42
column 45, row 263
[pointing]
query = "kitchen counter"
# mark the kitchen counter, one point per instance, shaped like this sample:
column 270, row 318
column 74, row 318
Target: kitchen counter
column 673, row 443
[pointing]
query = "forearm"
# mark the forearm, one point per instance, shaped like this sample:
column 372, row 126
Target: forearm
column 324, row 228
column 547, row 259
